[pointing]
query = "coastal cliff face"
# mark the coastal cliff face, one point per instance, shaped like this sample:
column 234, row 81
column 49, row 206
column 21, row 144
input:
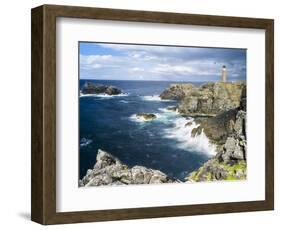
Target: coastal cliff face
column 219, row 110
column 228, row 131
column 230, row 160
column 209, row 99
column 109, row 170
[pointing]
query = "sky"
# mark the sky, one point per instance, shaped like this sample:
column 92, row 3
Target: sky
column 109, row 61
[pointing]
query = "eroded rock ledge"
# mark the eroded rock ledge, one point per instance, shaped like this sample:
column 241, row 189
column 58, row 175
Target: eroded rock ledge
column 109, row 170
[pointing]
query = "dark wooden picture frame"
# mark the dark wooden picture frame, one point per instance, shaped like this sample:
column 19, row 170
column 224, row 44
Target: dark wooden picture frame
column 43, row 206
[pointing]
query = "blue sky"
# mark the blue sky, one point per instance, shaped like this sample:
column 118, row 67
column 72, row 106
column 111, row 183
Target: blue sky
column 109, row 61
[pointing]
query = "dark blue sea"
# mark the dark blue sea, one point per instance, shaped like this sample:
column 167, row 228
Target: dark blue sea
column 109, row 123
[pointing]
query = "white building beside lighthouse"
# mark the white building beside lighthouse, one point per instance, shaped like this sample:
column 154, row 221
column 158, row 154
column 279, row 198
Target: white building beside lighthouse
column 224, row 74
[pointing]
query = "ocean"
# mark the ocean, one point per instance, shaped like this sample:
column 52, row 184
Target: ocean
column 109, row 123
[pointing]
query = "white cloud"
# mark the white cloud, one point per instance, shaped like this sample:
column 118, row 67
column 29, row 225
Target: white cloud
column 136, row 69
column 159, row 63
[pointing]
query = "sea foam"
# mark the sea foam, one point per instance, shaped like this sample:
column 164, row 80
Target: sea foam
column 136, row 118
column 182, row 133
column 104, row 95
column 84, row 142
column 153, row 98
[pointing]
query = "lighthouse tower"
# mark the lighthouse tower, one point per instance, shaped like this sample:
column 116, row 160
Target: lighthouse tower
column 223, row 74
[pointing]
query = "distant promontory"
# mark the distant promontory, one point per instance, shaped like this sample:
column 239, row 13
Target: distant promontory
column 91, row 88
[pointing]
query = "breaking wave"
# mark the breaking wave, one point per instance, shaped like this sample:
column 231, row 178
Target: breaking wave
column 136, row 118
column 153, row 98
column 181, row 131
column 104, row 95
column 84, row 142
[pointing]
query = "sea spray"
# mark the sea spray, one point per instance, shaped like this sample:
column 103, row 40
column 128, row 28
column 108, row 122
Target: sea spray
column 182, row 132
column 154, row 98
column 84, row 142
column 137, row 118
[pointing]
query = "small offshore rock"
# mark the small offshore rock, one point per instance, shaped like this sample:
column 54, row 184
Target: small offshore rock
column 146, row 116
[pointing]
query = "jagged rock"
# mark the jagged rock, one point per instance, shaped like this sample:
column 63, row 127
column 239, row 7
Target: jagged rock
column 91, row 88
column 228, row 131
column 176, row 91
column 146, row 116
column 209, row 99
column 240, row 124
column 233, row 150
column 243, row 102
column 109, row 170
column 217, row 128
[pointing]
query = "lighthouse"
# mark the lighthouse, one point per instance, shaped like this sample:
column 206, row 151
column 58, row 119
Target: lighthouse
column 223, row 74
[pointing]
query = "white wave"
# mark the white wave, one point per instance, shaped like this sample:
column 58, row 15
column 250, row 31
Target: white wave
column 102, row 95
column 124, row 101
column 167, row 110
column 182, row 133
column 154, row 98
column 84, row 142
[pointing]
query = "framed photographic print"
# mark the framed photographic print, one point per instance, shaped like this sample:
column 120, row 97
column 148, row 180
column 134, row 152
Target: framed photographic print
column 140, row 114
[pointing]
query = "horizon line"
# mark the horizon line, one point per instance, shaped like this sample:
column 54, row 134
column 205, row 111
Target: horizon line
column 158, row 80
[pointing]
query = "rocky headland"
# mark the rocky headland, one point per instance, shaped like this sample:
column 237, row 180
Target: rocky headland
column 91, row 88
column 109, row 170
column 219, row 110
column 209, row 99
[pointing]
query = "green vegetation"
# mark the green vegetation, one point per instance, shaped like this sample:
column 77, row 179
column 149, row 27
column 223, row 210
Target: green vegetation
column 215, row 170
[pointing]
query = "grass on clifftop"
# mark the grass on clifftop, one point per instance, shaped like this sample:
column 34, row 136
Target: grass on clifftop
column 207, row 172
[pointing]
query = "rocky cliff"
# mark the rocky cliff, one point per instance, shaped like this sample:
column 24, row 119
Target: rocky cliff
column 219, row 110
column 207, row 100
column 230, row 161
column 228, row 131
column 109, row 170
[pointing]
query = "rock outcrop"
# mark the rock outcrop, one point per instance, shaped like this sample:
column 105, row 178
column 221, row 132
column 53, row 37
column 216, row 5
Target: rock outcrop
column 177, row 91
column 207, row 100
column 91, row 88
column 109, row 170
column 146, row 116
column 214, row 170
column 219, row 110
column 230, row 161
column 228, row 131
